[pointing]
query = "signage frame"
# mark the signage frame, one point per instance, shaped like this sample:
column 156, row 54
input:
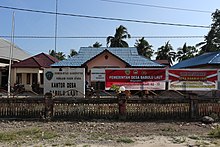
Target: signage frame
column 193, row 79
column 65, row 81
column 136, row 78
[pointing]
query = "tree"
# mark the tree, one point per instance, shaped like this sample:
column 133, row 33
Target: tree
column 144, row 48
column 208, row 44
column 166, row 53
column 185, row 52
column 58, row 55
column 72, row 53
column 97, row 44
column 118, row 39
column 212, row 40
column 52, row 53
column 216, row 28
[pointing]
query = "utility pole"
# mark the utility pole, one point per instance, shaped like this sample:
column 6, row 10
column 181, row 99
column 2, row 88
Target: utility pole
column 11, row 54
column 55, row 41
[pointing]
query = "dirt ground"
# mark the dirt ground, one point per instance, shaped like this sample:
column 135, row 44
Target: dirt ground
column 102, row 133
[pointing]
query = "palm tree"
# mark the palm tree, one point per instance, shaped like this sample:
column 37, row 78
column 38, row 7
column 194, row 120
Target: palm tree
column 118, row 39
column 185, row 52
column 52, row 53
column 166, row 53
column 97, row 44
column 72, row 53
column 58, row 55
column 144, row 48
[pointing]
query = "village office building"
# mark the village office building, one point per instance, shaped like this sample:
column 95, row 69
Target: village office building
column 96, row 60
column 29, row 72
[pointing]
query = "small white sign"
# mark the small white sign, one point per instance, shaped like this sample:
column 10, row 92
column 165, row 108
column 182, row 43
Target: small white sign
column 65, row 81
column 98, row 74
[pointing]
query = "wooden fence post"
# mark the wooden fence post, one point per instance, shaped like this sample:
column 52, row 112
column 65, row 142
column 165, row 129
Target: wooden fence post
column 193, row 105
column 122, row 100
column 48, row 106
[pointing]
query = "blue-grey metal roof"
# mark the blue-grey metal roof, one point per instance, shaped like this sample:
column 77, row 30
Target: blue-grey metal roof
column 206, row 58
column 128, row 55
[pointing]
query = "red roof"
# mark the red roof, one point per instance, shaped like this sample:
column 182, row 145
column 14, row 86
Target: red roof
column 38, row 61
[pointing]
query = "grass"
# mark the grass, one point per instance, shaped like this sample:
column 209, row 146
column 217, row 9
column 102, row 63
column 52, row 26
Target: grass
column 194, row 137
column 86, row 145
column 178, row 140
column 169, row 129
column 7, row 137
column 32, row 133
column 125, row 140
column 70, row 144
column 215, row 133
column 202, row 143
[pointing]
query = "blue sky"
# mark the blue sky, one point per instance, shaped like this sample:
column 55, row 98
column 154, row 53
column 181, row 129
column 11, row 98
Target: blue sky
column 37, row 24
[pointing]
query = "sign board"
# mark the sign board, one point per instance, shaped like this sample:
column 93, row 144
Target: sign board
column 98, row 74
column 136, row 79
column 192, row 79
column 65, row 81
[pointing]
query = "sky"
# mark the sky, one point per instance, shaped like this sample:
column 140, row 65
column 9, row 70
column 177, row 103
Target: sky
column 42, row 24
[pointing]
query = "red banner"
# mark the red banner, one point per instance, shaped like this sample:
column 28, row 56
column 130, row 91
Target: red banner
column 136, row 79
column 192, row 79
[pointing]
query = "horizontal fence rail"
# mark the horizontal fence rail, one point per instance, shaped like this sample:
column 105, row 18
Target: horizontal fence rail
column 107, row 108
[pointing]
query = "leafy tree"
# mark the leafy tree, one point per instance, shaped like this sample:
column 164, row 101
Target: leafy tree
column 97, row 44
column 58, row 55
column 72, row 53
column 144, row 48
column 216, row 28
column 185, row 52
column 166, row 53
column 208, row 44
column 118, row 39
column 212, row 40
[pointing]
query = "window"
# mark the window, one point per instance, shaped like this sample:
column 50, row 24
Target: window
column 28, row 78
column 41, row 78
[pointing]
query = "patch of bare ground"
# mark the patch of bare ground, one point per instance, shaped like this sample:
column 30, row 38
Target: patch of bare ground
column 106, row 133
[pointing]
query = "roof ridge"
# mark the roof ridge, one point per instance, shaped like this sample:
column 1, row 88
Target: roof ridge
column 49, row 57
column 35, row 59
column 117, row 56
column 214, row 57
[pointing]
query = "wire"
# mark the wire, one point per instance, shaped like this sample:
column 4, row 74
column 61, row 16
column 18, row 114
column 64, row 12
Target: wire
column 156, row 6
column 95, row 37
column 107, row 18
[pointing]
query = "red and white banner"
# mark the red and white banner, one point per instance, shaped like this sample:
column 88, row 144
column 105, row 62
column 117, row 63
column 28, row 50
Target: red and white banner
column 192, row 79
column 136, row 79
